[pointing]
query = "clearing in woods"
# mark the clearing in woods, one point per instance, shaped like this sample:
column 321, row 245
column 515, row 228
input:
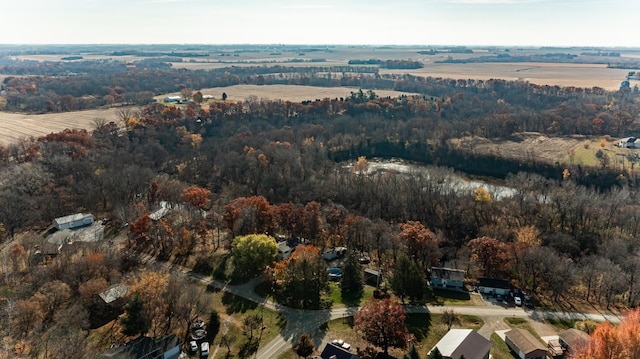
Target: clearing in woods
column 293, row 93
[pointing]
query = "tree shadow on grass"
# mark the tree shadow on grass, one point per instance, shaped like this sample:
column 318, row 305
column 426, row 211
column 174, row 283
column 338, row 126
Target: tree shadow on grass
column 235, row 304
column 419, row 324
column 248, row 348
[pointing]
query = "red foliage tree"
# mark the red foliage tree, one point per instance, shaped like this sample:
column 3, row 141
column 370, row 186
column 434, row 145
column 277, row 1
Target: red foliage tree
column 382, row 323
column 196, row 196
column 491, row 254
column 421, row 243
column 249, row 215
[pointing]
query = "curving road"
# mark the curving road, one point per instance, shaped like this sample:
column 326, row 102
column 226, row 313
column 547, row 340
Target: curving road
column 309, row 321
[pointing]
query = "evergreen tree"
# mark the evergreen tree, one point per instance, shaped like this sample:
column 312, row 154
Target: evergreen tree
column 352, row 284
column 407, row 280
column 435, row 354
column 134, row 321
column 413, row 353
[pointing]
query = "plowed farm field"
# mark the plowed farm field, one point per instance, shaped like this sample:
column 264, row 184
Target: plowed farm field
column 15, row 126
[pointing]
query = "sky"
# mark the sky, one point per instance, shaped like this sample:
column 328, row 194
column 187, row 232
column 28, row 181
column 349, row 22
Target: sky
column 368, row 22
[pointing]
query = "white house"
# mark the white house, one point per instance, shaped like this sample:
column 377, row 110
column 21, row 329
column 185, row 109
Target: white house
column 459, row 342
column 447, row 278
column 73, row 221
column 629, row 142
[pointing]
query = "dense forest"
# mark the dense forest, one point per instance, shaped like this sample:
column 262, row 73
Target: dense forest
column 301, row 170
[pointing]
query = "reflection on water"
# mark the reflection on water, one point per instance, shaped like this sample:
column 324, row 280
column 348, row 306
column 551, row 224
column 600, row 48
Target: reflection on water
column 461, row 183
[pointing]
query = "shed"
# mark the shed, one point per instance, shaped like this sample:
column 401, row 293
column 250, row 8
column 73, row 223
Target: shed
column 494, row 286
column 372, row 277
column 572, row 340
column 73, row 221
column 459, row 342
column 447, row 277
column 284, row 251
column 524, row 345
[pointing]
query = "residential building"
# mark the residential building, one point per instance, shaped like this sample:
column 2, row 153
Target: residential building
column 524, row 345
column 337, row 350
column 165, row 347
column 73, row 221
column 447, row 278
column 459, row 342
column 494, row 286
column 572, row 340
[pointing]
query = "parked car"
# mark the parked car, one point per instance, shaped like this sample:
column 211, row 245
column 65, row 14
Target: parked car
column 335, row 273
column 193, row 346
column 517, row 301
column 204, row 349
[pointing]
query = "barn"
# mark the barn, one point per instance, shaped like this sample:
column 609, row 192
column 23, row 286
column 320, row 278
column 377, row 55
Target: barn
column 73, row 221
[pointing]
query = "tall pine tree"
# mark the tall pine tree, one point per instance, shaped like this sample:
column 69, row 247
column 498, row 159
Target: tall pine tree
column 134, row 322
column 352, row 284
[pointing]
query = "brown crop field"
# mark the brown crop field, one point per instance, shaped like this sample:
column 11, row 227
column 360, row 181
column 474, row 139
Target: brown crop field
column 292, row 93
column 15, row 126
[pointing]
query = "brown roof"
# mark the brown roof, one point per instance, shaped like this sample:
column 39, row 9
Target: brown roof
column 524, row 340
column 574, row 338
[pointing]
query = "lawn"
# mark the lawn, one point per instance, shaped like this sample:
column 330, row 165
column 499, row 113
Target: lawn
column 499, row 349
column 522, row 323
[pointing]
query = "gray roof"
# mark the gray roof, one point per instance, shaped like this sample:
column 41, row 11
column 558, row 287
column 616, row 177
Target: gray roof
column 143, row 347
column 114, row 292
column 459, row 342
column 340, row 353
column 71, row 218
column 447, row 273
column 524, row 340
column 574, row 338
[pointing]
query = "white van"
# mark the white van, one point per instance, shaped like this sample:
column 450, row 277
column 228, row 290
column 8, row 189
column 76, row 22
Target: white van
column 204, row 349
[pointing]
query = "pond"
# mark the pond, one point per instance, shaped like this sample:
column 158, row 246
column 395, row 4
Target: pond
column 460, row 182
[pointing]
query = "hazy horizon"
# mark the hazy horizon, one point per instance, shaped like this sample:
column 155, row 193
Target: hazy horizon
column 525, row 23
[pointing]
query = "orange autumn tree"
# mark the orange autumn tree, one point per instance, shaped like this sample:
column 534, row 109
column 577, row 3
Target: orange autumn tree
column 610, row 342
column 196, row 196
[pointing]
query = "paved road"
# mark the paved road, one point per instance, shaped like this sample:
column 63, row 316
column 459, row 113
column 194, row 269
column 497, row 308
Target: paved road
column 309, row 321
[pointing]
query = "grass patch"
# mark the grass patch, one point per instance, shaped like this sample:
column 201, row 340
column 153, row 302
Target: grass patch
column 561, row 324
column 448, row 297
column 499, row 349
column 335, row 296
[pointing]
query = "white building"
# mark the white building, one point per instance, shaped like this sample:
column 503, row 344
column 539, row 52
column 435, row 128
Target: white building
column 73, row 221
column 459, row 342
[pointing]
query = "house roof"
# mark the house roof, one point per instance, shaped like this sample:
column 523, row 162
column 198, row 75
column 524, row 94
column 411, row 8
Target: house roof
column 143, row 347
column 114, row 292
column 494, row 283
column 283, row 247
column 330, row 350
column 574, row 338
column 459, row 342
column 447, row 273
column 72, row 217
column 524, row 340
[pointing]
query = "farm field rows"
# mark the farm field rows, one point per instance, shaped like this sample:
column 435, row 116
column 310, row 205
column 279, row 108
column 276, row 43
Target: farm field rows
column 15, row 126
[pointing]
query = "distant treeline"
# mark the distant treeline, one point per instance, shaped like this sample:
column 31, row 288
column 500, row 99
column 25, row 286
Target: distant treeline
column 389, row 64
column 549, row 57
